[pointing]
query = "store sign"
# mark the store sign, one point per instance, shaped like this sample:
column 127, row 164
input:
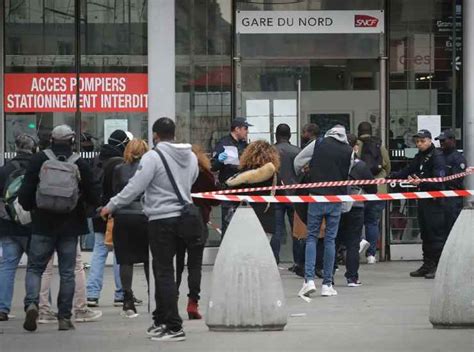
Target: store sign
column 56, row 92
column 310, row 22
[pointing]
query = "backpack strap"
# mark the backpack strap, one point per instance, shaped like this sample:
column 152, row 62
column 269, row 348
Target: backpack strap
column 73, row 158
column 50, row 154
column 170, row 176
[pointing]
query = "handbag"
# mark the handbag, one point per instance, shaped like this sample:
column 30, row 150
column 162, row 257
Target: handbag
column 190, row 224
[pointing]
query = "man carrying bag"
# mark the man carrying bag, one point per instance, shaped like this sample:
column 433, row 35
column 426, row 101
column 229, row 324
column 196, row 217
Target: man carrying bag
column 166, row 180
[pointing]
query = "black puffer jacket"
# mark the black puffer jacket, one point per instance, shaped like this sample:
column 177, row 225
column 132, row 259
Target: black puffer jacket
column 47, row 223
column 121, row 175
column 10, row 228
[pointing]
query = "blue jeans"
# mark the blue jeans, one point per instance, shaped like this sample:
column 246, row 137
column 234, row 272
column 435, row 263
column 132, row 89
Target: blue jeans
column 40, row 251
column 95, row 279
column 280, row 226
column 12, row 249
column 316, row 213
column 372, row 215
column 87, row 241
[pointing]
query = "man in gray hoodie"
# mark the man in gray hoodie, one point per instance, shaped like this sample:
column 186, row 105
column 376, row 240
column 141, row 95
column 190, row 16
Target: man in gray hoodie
column 163, row 209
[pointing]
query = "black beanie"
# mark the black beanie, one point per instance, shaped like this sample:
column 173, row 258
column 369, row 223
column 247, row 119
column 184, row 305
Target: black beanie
column 118, row 138
column 364, row 128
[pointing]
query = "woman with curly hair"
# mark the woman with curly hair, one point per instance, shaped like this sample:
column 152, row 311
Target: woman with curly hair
column 259, row 165
column 205, row 182
column 130, row 231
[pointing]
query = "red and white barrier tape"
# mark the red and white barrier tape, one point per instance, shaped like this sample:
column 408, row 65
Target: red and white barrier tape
column 335, row 199
column 378, row 181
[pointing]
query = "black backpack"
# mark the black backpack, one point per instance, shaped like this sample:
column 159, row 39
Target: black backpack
column 6, row 204
column 371, row 154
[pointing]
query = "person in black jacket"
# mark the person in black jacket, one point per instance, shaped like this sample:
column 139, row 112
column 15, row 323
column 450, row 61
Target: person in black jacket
column 330, row 162
column 352, row 222
column 110, row 155
column 236, row 141
column 52, row 231
column 130, row 232
column 434, row 229
column 13, row 237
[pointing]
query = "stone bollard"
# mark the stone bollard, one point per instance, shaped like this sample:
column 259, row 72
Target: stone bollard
column 452, row 301
column 246, row 292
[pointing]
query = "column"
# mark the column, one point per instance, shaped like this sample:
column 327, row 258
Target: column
column 161, row 61
column 468, row 89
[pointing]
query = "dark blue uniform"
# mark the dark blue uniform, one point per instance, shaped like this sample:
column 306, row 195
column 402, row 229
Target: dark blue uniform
column 431, row 212
column 226, row 171
column 456, row 163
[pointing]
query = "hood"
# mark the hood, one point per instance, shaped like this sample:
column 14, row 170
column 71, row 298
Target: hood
column 109, row 151
column 338, row 133
column 181, row 153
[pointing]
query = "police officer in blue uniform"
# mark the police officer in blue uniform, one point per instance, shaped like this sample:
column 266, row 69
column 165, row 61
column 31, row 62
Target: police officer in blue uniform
column 455, row 163
column 237, row 138
column 429, row 162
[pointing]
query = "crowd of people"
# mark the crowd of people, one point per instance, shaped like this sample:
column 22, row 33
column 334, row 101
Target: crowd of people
column 137, row 200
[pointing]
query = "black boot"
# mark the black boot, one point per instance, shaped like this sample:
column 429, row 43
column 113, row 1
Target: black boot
column 423, row 270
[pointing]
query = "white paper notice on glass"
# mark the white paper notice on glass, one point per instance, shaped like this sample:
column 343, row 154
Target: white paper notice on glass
column 232, row 155
column 431, row 123
column 111, row 125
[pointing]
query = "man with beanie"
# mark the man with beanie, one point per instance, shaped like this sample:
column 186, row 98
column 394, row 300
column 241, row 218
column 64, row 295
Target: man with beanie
column 163, row 209
column 331, row 161
column 51, row 230
column 13, row 236
column 110, row 155
column 375, row 155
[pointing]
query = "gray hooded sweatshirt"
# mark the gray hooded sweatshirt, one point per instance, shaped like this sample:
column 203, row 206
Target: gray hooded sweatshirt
column 160, row 200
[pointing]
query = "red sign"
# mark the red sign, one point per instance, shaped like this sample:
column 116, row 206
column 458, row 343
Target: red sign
column 56, row 92
column 365, row 21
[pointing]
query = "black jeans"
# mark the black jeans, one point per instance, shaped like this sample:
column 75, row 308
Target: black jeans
column 40, row 251
column 163, row 240
column 194, row 268
column 349, row 233
column 434, row 228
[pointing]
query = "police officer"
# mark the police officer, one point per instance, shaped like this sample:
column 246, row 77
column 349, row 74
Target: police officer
column 428, row 162
column 455, row 163
column 226, row 164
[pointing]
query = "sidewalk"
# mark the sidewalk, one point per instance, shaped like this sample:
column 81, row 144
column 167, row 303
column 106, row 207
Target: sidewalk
column 388, row 313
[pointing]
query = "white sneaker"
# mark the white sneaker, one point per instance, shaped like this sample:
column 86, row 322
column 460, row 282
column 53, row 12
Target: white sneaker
column 129, row 313
column 307, row 289
column 328, row 290
column 87, row 315
column 371, row 259
column 363, row 246
column 47, row 317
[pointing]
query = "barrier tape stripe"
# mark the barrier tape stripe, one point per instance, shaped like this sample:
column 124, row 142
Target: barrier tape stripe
column 337, row 198
column 378, row 181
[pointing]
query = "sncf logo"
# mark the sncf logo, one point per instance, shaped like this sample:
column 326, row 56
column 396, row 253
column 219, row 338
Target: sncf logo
column 365, row 21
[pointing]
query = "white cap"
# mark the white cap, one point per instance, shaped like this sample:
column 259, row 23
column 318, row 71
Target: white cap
column 129, row 135
column 62, row 133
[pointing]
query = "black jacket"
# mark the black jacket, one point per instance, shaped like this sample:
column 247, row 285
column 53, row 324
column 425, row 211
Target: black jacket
column 104, row 165
column 455, row 164
column 430, row 163
column 51, row 224
column 10, row 228
column 361, row 171
column 330, row 162
column 121, row 175
column 226, row 171
column 288, row 153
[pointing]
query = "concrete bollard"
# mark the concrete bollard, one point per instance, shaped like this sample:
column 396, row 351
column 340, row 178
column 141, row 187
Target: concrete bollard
column 246, row 292
column 452, row 301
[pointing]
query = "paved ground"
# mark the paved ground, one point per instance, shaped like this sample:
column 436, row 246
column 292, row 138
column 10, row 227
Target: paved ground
column 388, row 313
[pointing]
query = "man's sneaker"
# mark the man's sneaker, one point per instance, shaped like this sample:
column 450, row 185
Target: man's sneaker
column 155, row 330
column 118, row 302
column 3, row 316
column 92, row 302
column 353, row 283
column 87, row 315
column 363, row 246
column 65, row 324
column 31, row 317
column 169, row 335
column 47, row 317
column 328, row 290
column 371, row 259
column 308, row 288
column 431, row 274
column 421, row 271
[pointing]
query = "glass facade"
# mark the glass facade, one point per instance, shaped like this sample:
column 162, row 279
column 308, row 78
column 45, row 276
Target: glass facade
column 221, row 73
